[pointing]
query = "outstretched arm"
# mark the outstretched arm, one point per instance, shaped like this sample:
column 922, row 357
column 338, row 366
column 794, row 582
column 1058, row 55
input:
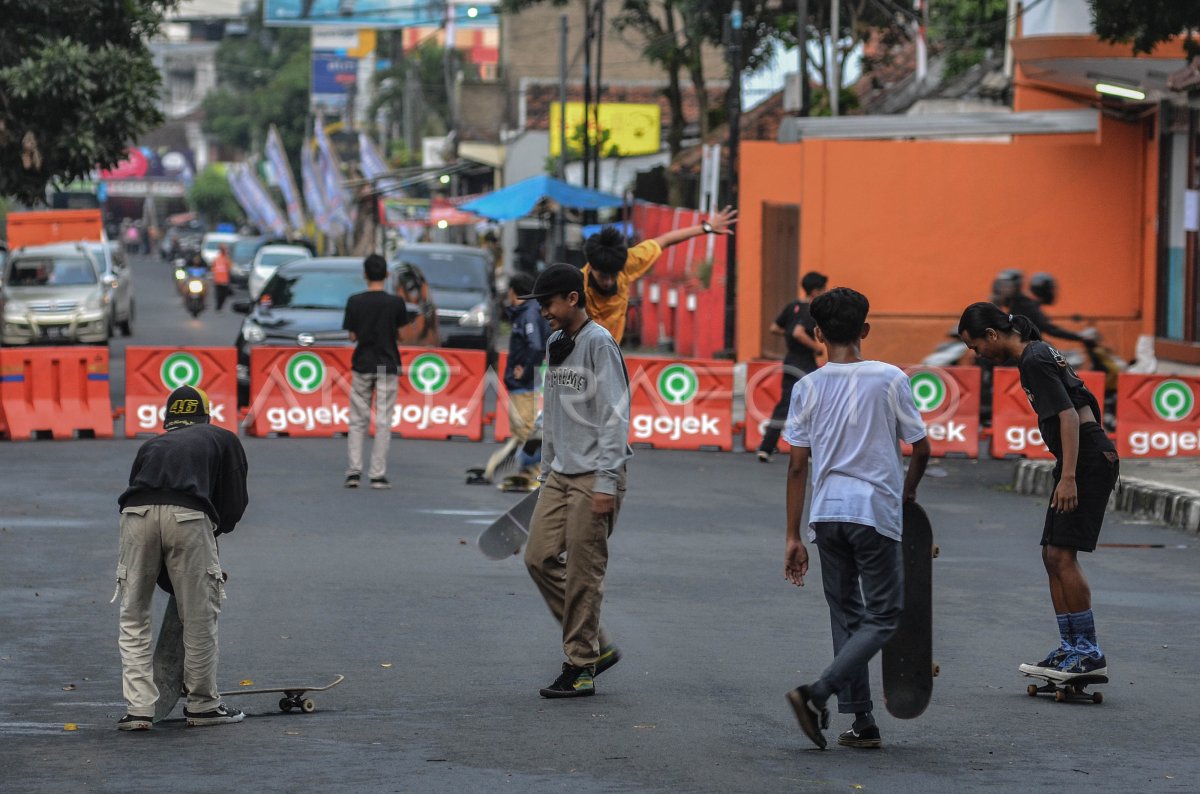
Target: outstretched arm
column 721, row 222
column 795, row 557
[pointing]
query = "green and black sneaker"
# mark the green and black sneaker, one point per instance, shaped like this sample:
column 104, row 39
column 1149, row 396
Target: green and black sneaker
column 574, row 682
column 609, row 656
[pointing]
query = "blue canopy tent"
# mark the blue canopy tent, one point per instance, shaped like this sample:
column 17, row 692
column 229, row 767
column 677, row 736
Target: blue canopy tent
column 517, row 201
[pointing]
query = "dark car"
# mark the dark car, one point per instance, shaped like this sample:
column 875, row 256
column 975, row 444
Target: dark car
column 460, row 283
column 302, row 304
column 241, row 256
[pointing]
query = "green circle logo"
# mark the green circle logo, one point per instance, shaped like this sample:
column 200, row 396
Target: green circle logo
column 180, row 369
column 305, row 372
column 678, row 384
column 429, row 373
column 1173, row 400
column 928, row 391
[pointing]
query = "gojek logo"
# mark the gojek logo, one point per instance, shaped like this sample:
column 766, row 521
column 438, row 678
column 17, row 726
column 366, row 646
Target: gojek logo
column 678, row 384
column 1173, row 400
column 928, row 391
column 429, row 373
column 305, row 372
column 180, row 369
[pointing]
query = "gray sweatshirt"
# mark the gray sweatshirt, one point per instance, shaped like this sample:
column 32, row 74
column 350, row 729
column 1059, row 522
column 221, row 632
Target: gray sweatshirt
column 586, row 413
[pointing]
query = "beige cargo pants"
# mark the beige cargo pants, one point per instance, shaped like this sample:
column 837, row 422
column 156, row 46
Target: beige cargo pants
column 181, row 540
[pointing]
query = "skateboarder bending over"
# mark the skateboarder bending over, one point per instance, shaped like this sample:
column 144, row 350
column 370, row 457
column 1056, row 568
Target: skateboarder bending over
column 584, row 450
column 1086, row 471
column 845, row 418
column 186, row 487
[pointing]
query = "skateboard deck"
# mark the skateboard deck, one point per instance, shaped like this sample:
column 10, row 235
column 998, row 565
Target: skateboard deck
column 293, row 696
column 507, row 534
column 519, row 483
column 1071, row 689
column 168, row 662
column 908, row 667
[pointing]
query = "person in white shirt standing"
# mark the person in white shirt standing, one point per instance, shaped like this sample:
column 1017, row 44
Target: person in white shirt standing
column 845, row 422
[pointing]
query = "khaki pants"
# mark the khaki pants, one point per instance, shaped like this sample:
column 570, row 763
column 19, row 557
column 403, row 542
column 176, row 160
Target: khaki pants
column 181, row 540
column 522, row 413
column 574, row 588
column 362, row 386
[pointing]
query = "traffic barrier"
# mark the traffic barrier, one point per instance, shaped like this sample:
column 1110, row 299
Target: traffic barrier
column 152, row 373
column 948, row 399
column 1014, row 424
column 1158, row 416
column 62, row 391
column 681, row 405
column 306, row 392
column 763, row 384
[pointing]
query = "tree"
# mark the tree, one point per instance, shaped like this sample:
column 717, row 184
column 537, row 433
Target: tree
column 212, row 197
column 1147, row 23
column 262, row 79
column 419, row 71
column 966, row 29
column 77, row 86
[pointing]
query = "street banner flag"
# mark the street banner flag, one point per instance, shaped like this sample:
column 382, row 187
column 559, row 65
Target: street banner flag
column 312, row 190
column 373, row 167
column 259, row 205
column 329, row 168
column 283, row 175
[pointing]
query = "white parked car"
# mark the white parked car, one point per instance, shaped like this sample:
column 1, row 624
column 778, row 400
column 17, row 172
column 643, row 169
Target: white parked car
column 268, row 259
column 53, row 294
column 213, row 242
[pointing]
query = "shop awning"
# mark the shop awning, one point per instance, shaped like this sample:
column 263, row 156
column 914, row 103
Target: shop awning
column 517, row 201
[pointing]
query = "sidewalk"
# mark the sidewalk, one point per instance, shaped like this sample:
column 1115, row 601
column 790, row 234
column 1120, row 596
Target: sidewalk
column 1162, row 489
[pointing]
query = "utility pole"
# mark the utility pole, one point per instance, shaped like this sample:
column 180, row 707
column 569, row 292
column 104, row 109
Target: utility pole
column 587, row 88
column 922, row 51
column 735, row 121
column 448, row 71
column 560, row 236
column 802, row 46
column 599, row 90
column 835, row 80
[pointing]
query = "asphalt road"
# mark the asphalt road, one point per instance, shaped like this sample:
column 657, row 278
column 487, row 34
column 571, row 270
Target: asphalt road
column 444, row 651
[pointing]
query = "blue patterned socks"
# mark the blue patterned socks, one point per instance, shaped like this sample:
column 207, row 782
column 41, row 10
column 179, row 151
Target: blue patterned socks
column 1066, row 641
column 1083, row 629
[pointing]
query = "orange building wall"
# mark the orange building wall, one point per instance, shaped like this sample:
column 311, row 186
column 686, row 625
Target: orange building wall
column 922, row 227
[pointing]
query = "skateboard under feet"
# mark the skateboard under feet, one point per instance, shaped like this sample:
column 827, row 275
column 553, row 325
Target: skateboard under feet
column 1072, row 689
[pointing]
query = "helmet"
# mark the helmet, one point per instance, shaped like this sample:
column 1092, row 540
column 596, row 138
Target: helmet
column 1006, row 285
column 1044, row 287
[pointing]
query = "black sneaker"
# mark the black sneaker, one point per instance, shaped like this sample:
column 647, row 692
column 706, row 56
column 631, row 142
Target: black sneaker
column 132, row 722
column 573, row 683
column 1050, row 664
column 812, row 718
column 221, row 715
column 764, row 456
column 380, row 483
column 867, row 738
column 1078, row 665
column 352, row 480
column 609, row 656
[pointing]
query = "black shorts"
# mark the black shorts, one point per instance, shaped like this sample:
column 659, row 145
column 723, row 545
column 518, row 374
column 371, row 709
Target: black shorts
column 1095, row 475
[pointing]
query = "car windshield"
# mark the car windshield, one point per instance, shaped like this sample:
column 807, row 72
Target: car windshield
column 449, row 271
column 307, row 289
column 275, row 260
column 50, row 272
column 244, row 250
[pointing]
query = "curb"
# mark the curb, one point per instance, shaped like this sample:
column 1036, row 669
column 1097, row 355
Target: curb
column 1176, row 507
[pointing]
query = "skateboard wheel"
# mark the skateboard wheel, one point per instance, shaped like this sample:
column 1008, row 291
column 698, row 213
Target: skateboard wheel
column 937, row 550
column 1097, row 697
column 1059, row 696
column 308, row 706
column 937, row 668
column 285, row 704
column 1031, row 690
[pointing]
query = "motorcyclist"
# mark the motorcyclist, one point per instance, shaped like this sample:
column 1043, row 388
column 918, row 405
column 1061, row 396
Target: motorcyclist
column 1008, row 283
column 1045, row 291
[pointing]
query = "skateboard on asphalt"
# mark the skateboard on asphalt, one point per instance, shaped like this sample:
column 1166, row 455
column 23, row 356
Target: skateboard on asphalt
column 1072, row 689
column 908, row 666
column 168, row 662
column 508, row 533
column 519, row 483
column 293, row 696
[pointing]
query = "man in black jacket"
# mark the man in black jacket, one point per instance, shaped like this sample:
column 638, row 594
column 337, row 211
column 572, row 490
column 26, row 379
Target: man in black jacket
column 187, row 486
column 526, row 351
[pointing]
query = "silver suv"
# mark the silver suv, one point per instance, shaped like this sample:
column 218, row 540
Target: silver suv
column 53, row 294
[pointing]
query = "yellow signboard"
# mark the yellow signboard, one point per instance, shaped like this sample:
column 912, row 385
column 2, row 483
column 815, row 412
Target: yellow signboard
column 624, row 129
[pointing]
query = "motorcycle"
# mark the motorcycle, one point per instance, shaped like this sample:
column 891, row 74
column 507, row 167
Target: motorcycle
column 195, row 288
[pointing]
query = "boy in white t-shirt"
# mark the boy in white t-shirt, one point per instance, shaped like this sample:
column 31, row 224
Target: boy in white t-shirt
column 848, row 418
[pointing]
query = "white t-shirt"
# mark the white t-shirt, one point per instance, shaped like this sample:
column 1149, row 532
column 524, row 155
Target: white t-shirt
column 851, row 417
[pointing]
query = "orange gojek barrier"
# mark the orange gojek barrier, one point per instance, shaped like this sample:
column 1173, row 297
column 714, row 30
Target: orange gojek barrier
column 948, row 399
column 763, row 382
column 1158, row 416
column 152, row 373
column 681, row 404
column 58, row 390
column 1014, row 423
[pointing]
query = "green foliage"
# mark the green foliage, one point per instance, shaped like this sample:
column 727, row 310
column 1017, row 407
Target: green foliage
column 601, row 142
column 1147, row 23
column 77, row 86
column 430, row 106
column 212, row 197
column 966, row 30
column 262, row 80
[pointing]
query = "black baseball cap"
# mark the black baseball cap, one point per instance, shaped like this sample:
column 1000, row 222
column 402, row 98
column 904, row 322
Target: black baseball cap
column 558, row 279
column 187, row 405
